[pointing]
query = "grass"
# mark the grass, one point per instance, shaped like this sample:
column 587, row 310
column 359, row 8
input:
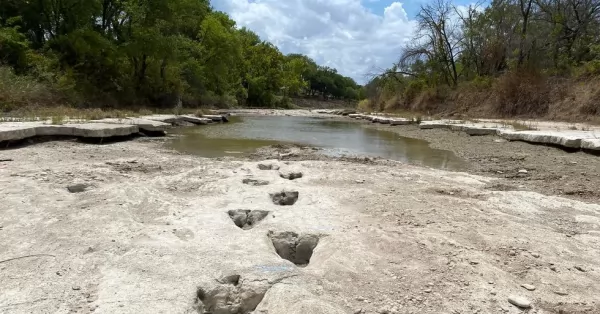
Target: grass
column 57, row 120
column 200, row 113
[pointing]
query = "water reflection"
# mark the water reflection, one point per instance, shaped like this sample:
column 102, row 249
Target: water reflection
column 245, row 134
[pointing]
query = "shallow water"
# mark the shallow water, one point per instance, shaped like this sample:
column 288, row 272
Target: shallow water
column 246, row 134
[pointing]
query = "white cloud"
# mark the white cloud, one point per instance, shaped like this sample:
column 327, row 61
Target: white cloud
column 342, row 34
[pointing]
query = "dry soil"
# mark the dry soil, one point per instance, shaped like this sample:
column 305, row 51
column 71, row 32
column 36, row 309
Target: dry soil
column 152, row 232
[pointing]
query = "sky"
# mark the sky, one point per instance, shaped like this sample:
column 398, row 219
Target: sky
column 357, row 37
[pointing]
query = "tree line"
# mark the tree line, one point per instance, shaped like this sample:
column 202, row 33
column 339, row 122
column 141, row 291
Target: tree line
column 507, row 44
column 159, row 52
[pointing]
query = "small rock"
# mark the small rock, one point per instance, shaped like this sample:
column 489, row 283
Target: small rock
column 520, row 302
column 255, row 182
column 553, row 268
column 561, row 292
column 360, row 299
column 427, row 290
column 77, row 188
column 268, row 167
column 512, row 253
column 536, row 255
column 291, row 175
column 580, row 268
column 528, row 287
column 474, row 262
column 523, row 171
column 360, row 181
column 76, row 288
column 359, row 311
column 493, row 292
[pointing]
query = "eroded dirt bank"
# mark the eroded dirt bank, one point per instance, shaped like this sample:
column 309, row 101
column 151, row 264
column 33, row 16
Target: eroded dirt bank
column 146, row 230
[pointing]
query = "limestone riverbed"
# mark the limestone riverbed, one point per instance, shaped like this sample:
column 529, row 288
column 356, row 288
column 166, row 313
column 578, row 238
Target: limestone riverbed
column 134, row 227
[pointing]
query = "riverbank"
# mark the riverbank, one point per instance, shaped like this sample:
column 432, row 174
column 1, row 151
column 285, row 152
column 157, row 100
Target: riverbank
column 132, row 227
column 519, row 165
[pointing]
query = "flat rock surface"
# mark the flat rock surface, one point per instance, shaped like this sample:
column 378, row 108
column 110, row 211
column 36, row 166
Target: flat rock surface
column 570, row 139
column 142, row 124
column 22, row 130
column 155, row 228
column 102, row 130
column 11, row 131
column 166, row 118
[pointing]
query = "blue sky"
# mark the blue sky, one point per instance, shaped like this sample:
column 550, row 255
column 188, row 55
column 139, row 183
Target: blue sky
column 357, row 37
column 378, row 6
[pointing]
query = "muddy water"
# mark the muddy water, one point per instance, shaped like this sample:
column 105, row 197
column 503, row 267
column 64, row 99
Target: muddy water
column 246, row 134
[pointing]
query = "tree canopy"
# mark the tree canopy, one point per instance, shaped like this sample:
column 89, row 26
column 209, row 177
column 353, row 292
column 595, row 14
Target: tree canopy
column 140, row 52
column 526, row 38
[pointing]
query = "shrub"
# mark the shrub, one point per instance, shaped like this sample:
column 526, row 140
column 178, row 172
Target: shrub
column 18, row 91
column 283, row 102
column 364, row 105
column 521, row 93
column 413, row 89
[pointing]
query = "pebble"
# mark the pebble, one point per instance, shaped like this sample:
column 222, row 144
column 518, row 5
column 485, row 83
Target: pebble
column 523, row 171
column 561, row 292
column 580, row 268
column 536, row 255
column 427, row 290
column 359, row 311
column 76, row 288
column 519, row 302
column 512, row 253
column 528, row 287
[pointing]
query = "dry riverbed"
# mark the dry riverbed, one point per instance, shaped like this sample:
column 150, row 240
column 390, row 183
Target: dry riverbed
column 131, row 227
column 519, row 165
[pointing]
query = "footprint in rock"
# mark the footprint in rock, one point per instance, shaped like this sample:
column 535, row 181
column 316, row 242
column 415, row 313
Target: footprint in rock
column 255, row 182
column 291, row 175
column 285, row 198
column 230, row 295
column 293, row 247
column 247, row 219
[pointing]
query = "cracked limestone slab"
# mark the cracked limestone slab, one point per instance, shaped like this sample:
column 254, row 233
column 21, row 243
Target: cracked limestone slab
column 568, row 139
column 142, row 124
column 14, row 131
